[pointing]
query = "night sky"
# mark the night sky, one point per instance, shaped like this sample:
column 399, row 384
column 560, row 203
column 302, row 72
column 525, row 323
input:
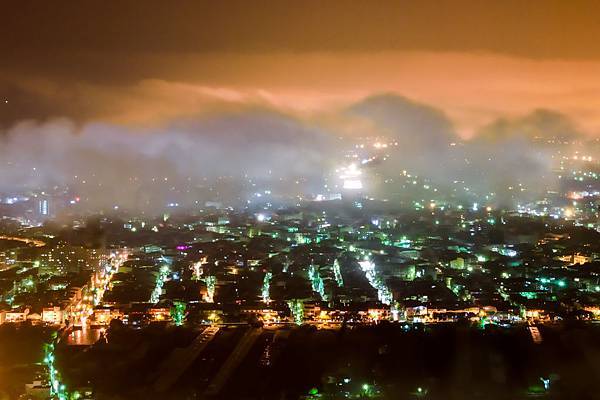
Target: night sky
column 145, row 64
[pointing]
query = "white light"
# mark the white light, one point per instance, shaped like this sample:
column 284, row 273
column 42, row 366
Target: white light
column 352, row 184
column 366, row 265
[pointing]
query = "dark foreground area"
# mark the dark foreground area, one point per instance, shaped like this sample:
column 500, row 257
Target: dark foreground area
column 21, row 355
column 387, row 361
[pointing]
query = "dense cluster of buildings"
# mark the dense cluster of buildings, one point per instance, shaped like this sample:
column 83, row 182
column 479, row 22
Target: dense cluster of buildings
column 416, row 253
column 326, row 262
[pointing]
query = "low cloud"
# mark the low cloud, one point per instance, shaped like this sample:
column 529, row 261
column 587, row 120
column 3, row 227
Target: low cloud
column 245, row 148
column 145, row 168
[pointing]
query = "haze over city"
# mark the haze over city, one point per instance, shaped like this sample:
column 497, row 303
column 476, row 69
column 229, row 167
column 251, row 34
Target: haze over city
column 119, row 102
column 299, row 200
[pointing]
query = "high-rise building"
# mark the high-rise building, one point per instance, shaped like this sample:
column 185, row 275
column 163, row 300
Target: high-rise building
column 42, row 207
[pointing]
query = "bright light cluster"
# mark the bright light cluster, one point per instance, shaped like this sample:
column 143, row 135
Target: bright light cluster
column 337, row 273
column 211, row 283
column 351, row 177
column 266, row 287
column 316, row 282
column 197, row 269
column 57, row 388
column 384, row 294
column 178, row 313
column 162, row 276
column 297, row 309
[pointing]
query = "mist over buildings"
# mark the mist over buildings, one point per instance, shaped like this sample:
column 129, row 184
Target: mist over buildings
column 236, row 154
column 227, row 101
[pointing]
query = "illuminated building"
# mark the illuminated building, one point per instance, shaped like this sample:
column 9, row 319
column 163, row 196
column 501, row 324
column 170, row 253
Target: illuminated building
column 38, row 389
column 159, row 314
column 15, row 316
column 43, row 207
column 52, row 315
column 62, row 259
column 378, row 314
column 576, row 258
column 416, row 312
column 352, row 183
column 103, row 316
column 351, row 178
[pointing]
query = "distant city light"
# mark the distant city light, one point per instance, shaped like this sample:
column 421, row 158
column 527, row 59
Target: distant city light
column 350, row 175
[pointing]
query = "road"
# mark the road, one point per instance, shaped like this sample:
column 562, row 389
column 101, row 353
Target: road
column 181, row 358
column 233, row 361
column 34, row 242
column 93, row 292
